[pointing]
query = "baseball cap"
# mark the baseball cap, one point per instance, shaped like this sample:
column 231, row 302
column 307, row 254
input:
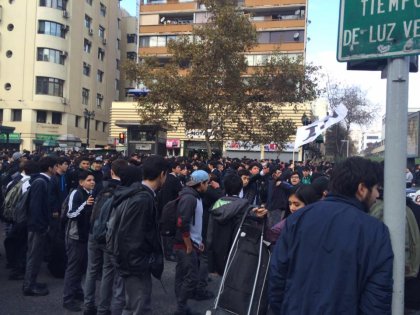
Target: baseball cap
column 98, row 159
column 198, row 177
column 16, row 156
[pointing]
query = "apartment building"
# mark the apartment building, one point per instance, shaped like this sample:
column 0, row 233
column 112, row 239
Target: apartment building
column 59, row 70
column 280, row 25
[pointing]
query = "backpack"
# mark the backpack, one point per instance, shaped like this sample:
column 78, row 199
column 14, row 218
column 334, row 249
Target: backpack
column 63, row 213
column 11, row 200
column 101, row 213
column 113, row 225
column 168, row 219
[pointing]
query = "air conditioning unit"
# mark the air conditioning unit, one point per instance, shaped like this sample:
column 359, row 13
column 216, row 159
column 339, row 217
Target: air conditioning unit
column 64, row 101
column 64, row 54
column 104, row 41
column 90, row 31
column 66, row 28
column 65, row 14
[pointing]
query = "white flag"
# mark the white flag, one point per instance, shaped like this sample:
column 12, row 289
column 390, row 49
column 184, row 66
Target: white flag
column 309, row 133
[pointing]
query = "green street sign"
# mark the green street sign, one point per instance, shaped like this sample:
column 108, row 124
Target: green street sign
column 373, row 29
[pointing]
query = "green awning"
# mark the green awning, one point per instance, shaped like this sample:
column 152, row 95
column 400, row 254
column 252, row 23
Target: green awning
column 13, row 138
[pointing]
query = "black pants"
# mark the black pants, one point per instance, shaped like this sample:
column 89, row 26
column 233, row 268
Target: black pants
column 34, row 257
column 15, row 245
column 186, row 277
column 76, row 267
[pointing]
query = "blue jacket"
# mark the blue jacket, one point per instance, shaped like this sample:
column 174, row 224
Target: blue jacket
column 332, row 258
column 39, row 215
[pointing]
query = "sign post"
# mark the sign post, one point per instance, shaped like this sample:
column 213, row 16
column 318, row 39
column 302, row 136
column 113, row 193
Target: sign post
column 377, row 29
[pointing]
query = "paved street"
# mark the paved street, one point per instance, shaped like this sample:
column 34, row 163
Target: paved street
column 12, row 301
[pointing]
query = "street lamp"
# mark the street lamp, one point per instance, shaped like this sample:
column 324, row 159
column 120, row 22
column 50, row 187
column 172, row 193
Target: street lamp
column 305, row 121
column 347, row 143
column 88, row 116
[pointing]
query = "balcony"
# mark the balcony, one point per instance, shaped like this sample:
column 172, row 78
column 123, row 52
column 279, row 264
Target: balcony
column 275, row 24
column 273, row 3
column 168, row 5
column 151, row 51
column 279, row 47
column 166, row 28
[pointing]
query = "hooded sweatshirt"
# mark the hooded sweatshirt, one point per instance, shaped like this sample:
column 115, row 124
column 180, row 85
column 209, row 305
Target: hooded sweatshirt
column 225, row 218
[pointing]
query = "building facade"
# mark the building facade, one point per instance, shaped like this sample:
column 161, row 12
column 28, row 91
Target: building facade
column 281, row 29
column 59, row 69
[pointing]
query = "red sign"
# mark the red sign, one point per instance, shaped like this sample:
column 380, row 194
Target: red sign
column 173, row 143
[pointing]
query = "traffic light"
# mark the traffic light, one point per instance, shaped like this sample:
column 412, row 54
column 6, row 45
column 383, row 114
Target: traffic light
column 121, row 138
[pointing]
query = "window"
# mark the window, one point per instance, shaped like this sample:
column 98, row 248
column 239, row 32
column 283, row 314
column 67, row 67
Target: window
column 56, row 4
column 77, row 121
column 104, row 126
column 131, row 55
column 99, row 100
column 49, row 86
column 51, row 55
column 56, row 118
column 1, row 115
column 89, row 2
column 86, row 69
column 97, row 122
column 119, row 24
column 118, row 44
column 88, row 21
column 85, row 96
column 156, row 41
column 52, row 28
column 102, row 9
column 86, row 122
column 117, row 61
column 87, row 45
column 131, row 38
column 16, row 115
column 41, row 116
column 99, row 76
column 101, row 54
column 278, row 37
column 101, row 32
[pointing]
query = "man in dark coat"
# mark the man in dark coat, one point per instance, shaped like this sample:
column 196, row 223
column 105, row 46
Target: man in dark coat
column 332, row 257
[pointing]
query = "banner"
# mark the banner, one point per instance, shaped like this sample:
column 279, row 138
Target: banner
column 309, row 133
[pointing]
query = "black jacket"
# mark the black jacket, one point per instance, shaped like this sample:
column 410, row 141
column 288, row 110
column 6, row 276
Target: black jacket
column 169, row 191
column 224, row 221
column 39, row 215
column 79, row 214
column 59, row 187
column 138, row 233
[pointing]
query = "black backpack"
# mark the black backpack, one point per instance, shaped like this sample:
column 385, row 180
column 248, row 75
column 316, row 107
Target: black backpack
column 168, row 219
column 101, row 212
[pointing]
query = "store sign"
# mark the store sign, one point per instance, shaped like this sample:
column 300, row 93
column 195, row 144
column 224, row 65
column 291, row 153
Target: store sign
column 232, row 145
column 173, row 143
column 144, row 146
column 197, row 134
column 13, row 138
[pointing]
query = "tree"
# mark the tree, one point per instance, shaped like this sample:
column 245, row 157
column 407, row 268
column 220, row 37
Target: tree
column 211, row 93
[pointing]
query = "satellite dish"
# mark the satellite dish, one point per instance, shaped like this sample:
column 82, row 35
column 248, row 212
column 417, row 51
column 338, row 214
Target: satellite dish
column 296, row 36
column 162, row 20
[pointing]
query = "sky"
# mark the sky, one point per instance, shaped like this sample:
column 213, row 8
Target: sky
column 321, row 51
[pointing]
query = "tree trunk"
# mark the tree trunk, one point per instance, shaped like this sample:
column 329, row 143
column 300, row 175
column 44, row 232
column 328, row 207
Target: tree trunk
column 208, row 144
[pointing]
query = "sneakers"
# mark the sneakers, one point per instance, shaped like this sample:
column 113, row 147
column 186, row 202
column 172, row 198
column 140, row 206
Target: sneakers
column 35, row 291
column 203, row 295
column 90, row 311
column 72, row 306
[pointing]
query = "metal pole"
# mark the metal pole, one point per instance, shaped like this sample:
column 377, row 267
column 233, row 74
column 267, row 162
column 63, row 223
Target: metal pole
column 395, row 163
column 88, row 129
column 347, row 148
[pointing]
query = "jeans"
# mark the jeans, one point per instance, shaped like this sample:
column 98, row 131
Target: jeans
column 76, row 266
column 34, row 258
column 95, row 256
column 138, row 291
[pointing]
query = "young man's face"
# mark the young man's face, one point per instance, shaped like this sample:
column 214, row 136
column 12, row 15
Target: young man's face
column 277, row 174
column 305, row 173
column 84, row 165
column 203, row 186
column 255, row 170
column 294, row 179
column 96, row 166
column 368, row 197
column 177, row 170
column 88, row 183
column 62, row 168
column 245, row 180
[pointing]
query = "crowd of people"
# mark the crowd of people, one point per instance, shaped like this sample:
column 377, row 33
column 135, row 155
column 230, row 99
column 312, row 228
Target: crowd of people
column 119, row 218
